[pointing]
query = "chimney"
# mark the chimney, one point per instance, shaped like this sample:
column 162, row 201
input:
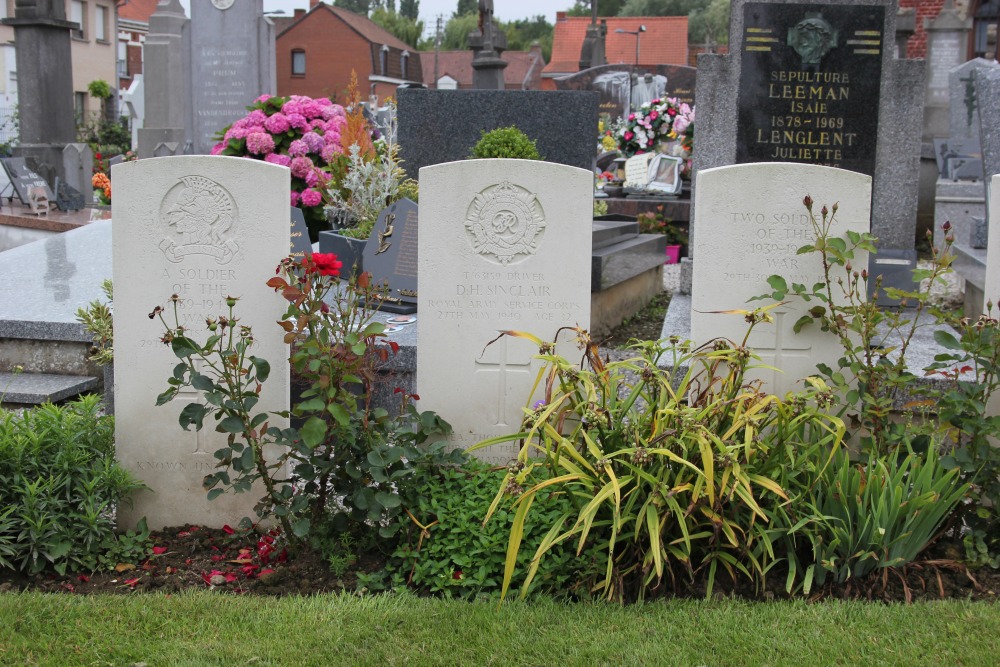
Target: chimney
column 299, row 13
column 312, row 4
column 560, row 16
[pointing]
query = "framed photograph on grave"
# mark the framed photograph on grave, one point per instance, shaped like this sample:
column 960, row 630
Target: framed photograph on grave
column 665, row 174
column 637, row 171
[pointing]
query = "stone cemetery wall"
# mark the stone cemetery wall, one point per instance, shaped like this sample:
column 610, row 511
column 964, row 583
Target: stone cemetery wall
column 437, row 126
column 751, row 223
column 818, row 89
column 233, row 63
column 504, row 244
column 203, row 228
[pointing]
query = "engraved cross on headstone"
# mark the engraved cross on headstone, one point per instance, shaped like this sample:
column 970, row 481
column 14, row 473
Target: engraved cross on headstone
column 788, row 353
column 191, row 395
column 501, row 366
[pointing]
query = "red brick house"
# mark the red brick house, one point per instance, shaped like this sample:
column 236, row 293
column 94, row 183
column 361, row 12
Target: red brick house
column 318, row 51
column 454, row 69
column 664, row 42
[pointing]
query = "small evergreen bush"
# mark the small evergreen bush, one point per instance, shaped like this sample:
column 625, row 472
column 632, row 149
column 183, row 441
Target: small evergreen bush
column 505, row 142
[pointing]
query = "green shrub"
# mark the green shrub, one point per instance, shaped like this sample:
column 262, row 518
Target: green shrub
column 59, row 487
column 505, row 142
column 449, row 551
column 882, row 514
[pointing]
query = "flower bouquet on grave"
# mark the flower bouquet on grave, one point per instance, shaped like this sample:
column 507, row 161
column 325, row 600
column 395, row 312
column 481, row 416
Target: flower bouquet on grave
column 298, row 132
column 102, row 188
column 651, row 124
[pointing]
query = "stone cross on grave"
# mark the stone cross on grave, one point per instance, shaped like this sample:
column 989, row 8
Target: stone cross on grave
column 191, row 395
column 501, row 365
column 789, row 354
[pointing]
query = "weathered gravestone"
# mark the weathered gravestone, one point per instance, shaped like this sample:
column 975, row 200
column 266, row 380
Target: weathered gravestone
column 23, row 180
column 991, row 293
column 820, row 84
column 962, row 120
column 561, row 123
column 166, row 87
column 78, row 165
column 946, row 44
column 988, row 92
column 298, row 245
column 390, row 256
column 751, row 222
column 504, row 245
column 232, row 64
column 202, row 228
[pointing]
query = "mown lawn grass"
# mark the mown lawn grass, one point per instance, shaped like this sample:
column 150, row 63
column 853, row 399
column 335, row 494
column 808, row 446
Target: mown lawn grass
column 211, row 629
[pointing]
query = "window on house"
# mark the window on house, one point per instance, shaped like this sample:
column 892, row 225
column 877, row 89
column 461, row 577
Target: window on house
column 78, row 14
column 101, row 25
column 383, row 61
column 298, row 62
column 404, row 64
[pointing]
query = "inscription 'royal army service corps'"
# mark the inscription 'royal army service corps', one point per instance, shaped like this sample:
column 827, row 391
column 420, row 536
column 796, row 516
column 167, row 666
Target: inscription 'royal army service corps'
column 810, row 84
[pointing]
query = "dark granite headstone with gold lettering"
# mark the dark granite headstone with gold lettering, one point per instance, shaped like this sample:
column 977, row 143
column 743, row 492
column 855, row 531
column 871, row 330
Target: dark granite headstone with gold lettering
column 391, row 256
column 811, row 77
column 299, row 245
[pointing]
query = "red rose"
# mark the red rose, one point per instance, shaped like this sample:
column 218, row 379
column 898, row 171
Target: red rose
column 326, row 264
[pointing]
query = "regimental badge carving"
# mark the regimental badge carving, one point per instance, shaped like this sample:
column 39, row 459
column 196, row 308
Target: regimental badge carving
column 812, row 38
column 505, row 221
column 223, row 4
column 198, row 217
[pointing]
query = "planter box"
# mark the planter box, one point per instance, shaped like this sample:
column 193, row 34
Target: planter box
column 348, row 250
column 673, row 254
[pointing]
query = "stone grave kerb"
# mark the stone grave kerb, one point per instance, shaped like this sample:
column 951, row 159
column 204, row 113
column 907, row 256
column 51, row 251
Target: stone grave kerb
column 900, row 113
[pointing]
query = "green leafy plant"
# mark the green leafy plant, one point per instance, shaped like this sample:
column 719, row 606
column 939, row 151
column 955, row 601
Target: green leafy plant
column 879, row 515
column 656, row 223
column 348, row 459
column 367, row 187
column 99, row 88
column 447, row 550
column 97, row 321
column 59, row 487
column 505, row 142
column 671, row 472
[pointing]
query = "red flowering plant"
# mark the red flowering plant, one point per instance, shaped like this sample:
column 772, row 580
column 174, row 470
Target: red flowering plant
column 347, row 459
column 654, row 122
column 301, row 133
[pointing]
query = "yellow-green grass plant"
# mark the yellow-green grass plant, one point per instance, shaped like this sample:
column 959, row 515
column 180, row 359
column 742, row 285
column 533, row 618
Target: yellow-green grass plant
column 672, row 471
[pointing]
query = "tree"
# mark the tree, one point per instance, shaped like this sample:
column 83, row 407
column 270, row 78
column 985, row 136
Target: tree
column 456, row 30
column 406, row 29
column 357, row 6
column 466, row 7
column 409, row 9
column 604, row 8
column 662, row 7
column 523, row 32
column 710, row 25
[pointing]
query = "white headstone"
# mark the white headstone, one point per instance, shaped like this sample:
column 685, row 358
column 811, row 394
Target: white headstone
column 503, row 245
column 203, row 228
column 751, row 222
column 991, row 288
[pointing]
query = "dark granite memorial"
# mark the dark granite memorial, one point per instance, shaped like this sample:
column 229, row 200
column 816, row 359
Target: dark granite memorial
column 811, row 78
column 391, row 256
column 23, row 178
column 438, row 126
column 68, row 198
column 299, row 245
column 614, row 85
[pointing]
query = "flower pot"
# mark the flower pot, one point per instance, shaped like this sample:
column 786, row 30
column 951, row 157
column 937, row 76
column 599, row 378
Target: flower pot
column 348, row 250
column 673, row 254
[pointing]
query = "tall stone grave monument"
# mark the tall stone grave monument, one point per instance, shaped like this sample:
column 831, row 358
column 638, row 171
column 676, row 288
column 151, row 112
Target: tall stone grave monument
column 963, row 121
column 815, row 83
column 946, row 44
column 991, row 292
column 751, row 222
column 503, row 245
column 166, row 82
column 988, row 93
column 44, row 83
column 203, row 228
column 232, row 61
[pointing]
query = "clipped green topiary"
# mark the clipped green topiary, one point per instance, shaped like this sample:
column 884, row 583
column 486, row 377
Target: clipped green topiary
column 505, row 142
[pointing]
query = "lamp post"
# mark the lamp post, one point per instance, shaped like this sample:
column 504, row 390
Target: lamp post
column 638, row 32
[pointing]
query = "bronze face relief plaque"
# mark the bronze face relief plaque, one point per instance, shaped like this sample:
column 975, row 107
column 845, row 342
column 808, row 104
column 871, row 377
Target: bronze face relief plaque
column 810, row 84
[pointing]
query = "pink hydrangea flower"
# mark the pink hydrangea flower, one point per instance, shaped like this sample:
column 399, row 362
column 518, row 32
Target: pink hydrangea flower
column 298, row 121
column 260, row 143
column 277, row 124
column 311, row 197
column 294, row 198
column 312, row 178
column 218, row 148
column 256, row 118
column 298, row 148
column 235, row 133
column 313, row 141
column 301, row 166
column 263, row 98
column 291, row 106
column 331, row 151
column 278, row 158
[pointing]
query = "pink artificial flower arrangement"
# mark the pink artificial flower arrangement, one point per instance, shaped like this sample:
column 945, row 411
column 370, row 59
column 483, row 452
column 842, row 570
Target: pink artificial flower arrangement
column 301, row 133
column 655, row 122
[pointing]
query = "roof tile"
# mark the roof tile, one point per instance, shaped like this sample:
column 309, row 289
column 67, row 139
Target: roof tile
column 663, row 43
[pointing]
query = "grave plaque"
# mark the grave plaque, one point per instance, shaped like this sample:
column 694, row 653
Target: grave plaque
column 203, row 228
column 810, row 84
column 751, row 222
column 68, row 198
column 391, row 256
column 504, row 245
column 299, row 246
column 23, row 179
